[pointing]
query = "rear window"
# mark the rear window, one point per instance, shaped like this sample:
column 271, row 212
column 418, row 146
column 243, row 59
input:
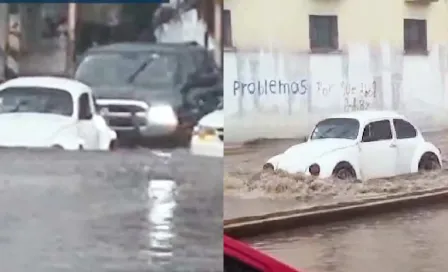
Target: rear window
column 36, row 100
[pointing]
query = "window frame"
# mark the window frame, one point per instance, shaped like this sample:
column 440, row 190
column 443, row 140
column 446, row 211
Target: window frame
column 89, row 105
column 415, row 132
column 419, row 28
column 378, row 139
column 227, row 35
column 331, row 29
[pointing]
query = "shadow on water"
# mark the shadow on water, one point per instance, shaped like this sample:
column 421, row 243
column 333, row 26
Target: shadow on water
column 131, row 210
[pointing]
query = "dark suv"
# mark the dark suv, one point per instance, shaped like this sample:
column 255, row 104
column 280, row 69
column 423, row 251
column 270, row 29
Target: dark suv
column 151, row 90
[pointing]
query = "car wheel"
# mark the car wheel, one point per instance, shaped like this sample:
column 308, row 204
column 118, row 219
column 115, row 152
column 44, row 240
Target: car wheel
column 268, row 167
column 113, row 145
column 57, row 147
column 344, row 171
column 429, row 162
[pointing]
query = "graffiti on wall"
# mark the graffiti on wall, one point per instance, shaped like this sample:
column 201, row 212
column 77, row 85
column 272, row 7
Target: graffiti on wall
column 270, row 87
column 356, row 97
column 359, row 96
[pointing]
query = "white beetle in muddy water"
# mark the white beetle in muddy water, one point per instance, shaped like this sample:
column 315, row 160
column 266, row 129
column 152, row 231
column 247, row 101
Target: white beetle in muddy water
column 360, row 145
column 45, row 112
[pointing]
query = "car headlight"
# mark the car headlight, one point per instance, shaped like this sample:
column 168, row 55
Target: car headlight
column 162, row 115
column 314, row 169
column 204, row 131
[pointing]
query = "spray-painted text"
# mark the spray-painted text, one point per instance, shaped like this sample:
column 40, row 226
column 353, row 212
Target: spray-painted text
column 268, row 87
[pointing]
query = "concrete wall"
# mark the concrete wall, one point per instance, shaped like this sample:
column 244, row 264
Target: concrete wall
column 187, row 28
column 283, row 24
column 377, row 77
column 272, row 43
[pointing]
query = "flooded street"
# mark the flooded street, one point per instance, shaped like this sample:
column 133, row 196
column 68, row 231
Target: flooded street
column 268, row 191
column 130, row 211
column 415, row 240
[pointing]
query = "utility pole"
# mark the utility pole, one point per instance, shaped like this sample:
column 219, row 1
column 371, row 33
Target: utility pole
column 4, row 38
column 218, row 32
column 71, row 35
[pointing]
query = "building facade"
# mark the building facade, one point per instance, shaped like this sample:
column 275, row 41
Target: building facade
column 291, row 62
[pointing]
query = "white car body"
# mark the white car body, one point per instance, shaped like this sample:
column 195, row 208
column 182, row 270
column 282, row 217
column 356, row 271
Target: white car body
column 34, row 129
column 208, row 135
column 369, row 159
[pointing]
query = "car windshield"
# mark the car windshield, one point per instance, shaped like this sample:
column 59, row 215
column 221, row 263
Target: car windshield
column 120, row 69
column 339, row 128
column 36, row 100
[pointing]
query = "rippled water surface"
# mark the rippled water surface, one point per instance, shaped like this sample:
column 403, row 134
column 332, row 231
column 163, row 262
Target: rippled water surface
column 416, row 240
column 131, row 210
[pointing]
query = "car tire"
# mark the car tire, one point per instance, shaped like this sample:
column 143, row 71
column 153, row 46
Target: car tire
column 57, row 147
column 113, row 145
column 429, row 162
column 268, row 167
column 344, row 171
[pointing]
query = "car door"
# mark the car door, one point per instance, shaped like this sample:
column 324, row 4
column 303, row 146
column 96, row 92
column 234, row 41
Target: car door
column 378, row 150
column 86, row 125
column 407, row 142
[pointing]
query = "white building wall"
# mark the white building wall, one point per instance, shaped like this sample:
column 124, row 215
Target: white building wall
column 186, row 29
column 378, row 77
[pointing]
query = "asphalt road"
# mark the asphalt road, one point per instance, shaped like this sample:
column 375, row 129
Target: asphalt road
column 130, row 210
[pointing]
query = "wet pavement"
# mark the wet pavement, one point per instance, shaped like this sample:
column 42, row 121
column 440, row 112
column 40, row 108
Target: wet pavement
column 130, row 210
column 414, row 241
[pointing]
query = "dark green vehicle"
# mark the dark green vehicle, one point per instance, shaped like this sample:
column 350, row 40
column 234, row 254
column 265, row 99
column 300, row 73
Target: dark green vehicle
column 150, row 91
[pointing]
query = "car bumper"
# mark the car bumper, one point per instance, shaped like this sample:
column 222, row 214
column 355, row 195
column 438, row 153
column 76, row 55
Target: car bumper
column 148, row 131
column 211, row 147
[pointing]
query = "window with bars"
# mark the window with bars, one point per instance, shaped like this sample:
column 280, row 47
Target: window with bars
column 415, row 36
column 323, row 32
column 227, row 28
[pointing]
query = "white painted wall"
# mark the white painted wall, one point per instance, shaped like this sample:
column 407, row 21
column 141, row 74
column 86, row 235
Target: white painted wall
column 187, row 28
column 413, row 85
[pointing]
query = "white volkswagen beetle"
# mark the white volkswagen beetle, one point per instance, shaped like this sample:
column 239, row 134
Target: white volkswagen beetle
column 360, row 145
column 42, row 112
column 208, row 135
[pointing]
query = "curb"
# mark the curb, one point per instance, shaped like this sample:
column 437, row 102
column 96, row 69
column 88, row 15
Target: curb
column 250, row 226
column 237, row 150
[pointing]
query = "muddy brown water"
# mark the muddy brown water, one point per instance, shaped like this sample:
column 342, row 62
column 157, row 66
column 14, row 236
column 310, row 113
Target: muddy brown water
column 125, row 211
column 415, row 240
column 250, row 191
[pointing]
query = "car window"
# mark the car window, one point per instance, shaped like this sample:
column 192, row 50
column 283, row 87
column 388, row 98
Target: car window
column 404, row 129
column 336, row 128
column 377, row 131
column 232, row 264
column 115, row 69
column 84, row 105
column 36, row 100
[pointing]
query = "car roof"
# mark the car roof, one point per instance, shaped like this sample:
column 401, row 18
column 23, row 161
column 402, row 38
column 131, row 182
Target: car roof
column 70, row 85
column 230, row 243
column 146, row 46
column 367, row 115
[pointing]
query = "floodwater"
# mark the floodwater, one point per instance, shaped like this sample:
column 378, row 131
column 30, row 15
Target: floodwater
column 414, row 241
column 125, row 211
column 249, row 191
